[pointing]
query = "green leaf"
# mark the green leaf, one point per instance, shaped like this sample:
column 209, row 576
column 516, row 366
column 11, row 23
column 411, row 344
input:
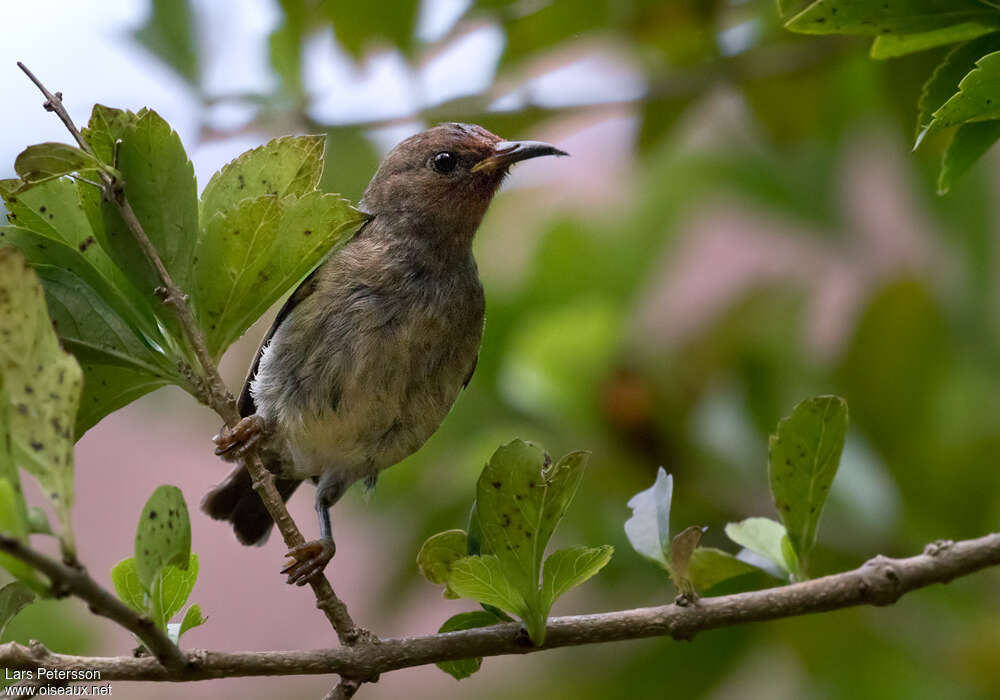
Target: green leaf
column 192, row 618
column 43, row 384
column 977, row 99
column 56, row 210
column 791, row 557
column 99, row 314
column 648, row 530
column 163, row 537
column 169, row 34
column 475, row 534
column 248, row 256
column 105, row 127
column 967, row 146
column 289, row 165
column 70, row 213
column 464, row 668
column 14, row 597
column 89, row 327
column 710, row 566
column 44, row 161
column 171, row 589
column 437, row 555
column 681, row 548
column 145, row 315
column 763, row 537
column 484, row 578
column 894, row 45
column 520, row 499
column 567, row 568
column 107, row 388
column 887, row 16
column 357, row 28
column 13, row 525
column 128, row 586
column 943, row 83
column 802, row 462
column 520, row 502
column 160, row 186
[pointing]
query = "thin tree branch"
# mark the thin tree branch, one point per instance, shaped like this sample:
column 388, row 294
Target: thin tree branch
column 53, row 103
column 214, row 394
column 75, row 580
column 880, row 581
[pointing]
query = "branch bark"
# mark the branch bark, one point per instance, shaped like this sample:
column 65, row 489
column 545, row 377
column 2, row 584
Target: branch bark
column 75, row 580
column 214, row 393
column 880, row 581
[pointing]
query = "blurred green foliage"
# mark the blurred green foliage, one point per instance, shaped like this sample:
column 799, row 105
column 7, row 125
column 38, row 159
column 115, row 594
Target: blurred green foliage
column 959, row 95
column 567, row 362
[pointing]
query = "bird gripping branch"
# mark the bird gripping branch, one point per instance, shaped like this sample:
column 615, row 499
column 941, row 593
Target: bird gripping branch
column 368, row 355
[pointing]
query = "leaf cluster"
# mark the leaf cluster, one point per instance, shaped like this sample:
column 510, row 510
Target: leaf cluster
column 259, row 227
column 962, row 95
column 521, row 497
column 803, row 459
column 158, row 579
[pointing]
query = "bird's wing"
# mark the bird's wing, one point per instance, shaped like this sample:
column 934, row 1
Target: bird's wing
column 308, row 285
column 245, row 404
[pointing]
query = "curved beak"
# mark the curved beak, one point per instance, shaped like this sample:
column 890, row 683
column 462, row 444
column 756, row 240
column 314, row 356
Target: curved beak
column 506, row 153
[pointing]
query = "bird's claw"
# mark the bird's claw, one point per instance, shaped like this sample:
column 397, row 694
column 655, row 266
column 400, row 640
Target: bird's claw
column 235, row 441
column 310, row 559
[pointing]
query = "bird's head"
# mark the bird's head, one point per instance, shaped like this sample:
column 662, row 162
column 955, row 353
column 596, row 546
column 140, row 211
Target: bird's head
column 443, row 179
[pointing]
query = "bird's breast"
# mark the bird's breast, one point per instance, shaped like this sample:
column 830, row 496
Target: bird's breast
column 361, row 383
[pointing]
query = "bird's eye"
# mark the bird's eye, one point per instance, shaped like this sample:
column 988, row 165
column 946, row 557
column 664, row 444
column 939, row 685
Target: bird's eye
column 444, row 162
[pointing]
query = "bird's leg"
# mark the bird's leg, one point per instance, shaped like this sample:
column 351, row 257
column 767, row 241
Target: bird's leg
column 232, row 443
column 312, row 557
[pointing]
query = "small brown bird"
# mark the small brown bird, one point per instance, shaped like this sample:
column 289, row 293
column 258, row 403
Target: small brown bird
column 368, row 355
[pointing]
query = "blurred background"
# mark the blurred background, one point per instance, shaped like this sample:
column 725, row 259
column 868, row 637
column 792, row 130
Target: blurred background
column 742, row 225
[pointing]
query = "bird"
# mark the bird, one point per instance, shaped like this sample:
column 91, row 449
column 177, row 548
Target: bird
column 368, row 355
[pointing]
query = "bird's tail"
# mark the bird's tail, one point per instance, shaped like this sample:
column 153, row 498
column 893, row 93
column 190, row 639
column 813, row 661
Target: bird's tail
column 235, row 500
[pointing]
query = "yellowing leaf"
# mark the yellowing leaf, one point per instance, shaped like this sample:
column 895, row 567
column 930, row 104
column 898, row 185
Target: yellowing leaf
column 43, row 384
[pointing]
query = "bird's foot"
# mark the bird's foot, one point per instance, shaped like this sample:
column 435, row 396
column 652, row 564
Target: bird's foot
column 310, row 559
column 232, row 443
